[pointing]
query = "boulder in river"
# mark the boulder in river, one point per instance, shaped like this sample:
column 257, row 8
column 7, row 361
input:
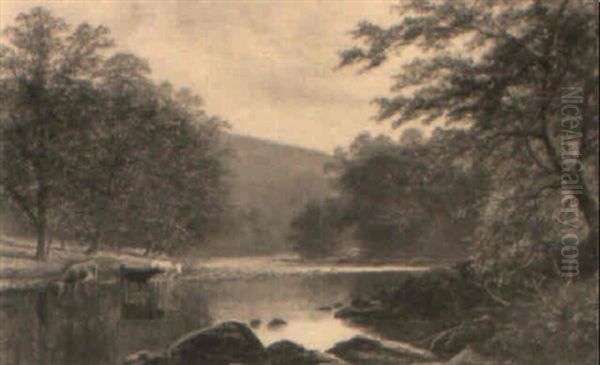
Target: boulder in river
column 289, row 353
column 367, row 351
column 255, row 323
column 223, row 344
column 276, row 323
column 362, row 309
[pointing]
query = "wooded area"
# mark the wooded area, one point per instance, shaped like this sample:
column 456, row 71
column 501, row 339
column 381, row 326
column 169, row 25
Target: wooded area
column 94, row 150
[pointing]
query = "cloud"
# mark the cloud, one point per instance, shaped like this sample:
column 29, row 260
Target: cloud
column 267, row 67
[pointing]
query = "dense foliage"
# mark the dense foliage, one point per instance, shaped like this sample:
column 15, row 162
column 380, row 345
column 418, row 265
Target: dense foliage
column 500, row 69
column 513, row 163
column 315, row 231
column 93, row 149
column 402, row 198
column 517, row 82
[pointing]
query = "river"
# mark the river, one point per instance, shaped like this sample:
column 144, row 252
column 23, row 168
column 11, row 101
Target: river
column 99, row 325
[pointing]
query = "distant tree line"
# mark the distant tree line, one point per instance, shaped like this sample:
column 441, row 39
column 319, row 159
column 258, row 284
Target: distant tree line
column 94, row 150
column 395, row 197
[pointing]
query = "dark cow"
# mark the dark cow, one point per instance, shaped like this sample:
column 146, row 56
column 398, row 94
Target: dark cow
column 138, row 275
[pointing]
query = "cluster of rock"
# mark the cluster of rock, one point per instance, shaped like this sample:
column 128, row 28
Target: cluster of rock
column 235, row 343
column 439, row 298
column 440, row 310
column 444, row 342
column 360, row 309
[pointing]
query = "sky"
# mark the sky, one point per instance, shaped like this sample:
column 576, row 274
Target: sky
column 267, row 67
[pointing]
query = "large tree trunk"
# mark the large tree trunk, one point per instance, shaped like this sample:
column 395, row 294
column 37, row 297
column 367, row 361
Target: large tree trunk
column 95, row 243
column 41, row 252
column 41, row 227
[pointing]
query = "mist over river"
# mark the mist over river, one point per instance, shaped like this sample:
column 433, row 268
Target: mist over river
column 97, row 325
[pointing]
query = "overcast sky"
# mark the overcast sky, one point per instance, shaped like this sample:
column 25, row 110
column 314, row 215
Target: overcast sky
column 267, row 67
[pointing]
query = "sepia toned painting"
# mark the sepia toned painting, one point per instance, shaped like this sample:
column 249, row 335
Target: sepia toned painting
column 299, row 182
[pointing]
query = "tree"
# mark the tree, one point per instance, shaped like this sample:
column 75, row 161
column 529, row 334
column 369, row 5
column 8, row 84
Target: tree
column 408, row 197
column 45, row 78
column 502, row 79
column 144, row 159
column 412, row 137
column 152, row 177
column 176, row 193
column 315, row 230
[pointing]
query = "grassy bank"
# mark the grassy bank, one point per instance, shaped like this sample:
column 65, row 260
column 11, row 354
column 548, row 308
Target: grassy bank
column 19, row 269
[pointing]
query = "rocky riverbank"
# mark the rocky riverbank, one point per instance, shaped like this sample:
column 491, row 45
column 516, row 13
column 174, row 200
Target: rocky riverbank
column 437, row 311
column 235, row 343
column 434, row 310
column 442, row 310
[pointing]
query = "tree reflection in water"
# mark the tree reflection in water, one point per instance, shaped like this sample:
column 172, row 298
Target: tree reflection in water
column 93, row 326
column 96, row 326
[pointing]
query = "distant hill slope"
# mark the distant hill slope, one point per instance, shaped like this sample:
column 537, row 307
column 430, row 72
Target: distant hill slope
column 270, row 183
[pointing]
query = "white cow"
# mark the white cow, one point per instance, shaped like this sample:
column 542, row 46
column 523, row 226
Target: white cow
column 80, row 272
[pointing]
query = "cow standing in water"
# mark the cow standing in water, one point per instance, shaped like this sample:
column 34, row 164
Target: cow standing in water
column 80, row 273
column 140, row 275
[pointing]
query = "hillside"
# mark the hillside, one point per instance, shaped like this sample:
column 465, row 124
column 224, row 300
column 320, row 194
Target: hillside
column 270, row 182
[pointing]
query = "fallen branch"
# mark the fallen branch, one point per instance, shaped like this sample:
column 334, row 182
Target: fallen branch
column 495, row 297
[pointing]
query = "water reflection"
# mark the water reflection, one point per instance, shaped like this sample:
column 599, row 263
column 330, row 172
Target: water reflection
column 45, row 328
column 101, row 325
column 145, row 303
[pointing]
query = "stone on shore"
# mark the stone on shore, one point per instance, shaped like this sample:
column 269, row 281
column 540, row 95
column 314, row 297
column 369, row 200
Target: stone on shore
column 367, row 351
column 361, row 310
column 234, row 342
column 289, row 353
column 454, row 340
column 223, row 344
column 255, row 323
column 276, row 323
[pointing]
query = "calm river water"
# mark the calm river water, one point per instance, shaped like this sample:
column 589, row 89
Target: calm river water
column 100, row 326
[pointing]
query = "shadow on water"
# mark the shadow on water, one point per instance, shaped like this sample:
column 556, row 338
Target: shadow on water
column 100, row 325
